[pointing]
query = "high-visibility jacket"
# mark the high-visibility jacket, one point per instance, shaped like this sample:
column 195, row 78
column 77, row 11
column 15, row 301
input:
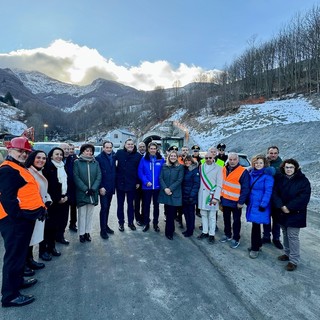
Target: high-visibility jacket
column 231, row 186
column 217, row 161
column 29, row 195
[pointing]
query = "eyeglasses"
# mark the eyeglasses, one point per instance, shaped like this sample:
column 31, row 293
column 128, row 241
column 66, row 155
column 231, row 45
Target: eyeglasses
column 208, row 158
column 291, row 167
column 21, row 151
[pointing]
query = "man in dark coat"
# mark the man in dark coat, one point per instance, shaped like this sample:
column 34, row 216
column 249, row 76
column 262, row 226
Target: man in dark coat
column 127, row 181
column 107, row 186
column 72, row 157
column 275, row 162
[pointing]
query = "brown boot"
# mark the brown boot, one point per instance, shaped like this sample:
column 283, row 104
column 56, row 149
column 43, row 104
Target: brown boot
column 284, row 257
column 291, row 266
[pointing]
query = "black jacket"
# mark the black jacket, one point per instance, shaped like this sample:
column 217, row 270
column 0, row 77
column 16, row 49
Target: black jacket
column 294, row 193
column 127, row 169
column 190, row 185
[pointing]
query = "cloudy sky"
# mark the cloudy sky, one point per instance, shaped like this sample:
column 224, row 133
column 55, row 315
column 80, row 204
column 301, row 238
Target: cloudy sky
column 141, row 43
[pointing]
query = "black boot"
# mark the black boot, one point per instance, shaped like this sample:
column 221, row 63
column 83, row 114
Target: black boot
column 87, row 237
column 34, row 264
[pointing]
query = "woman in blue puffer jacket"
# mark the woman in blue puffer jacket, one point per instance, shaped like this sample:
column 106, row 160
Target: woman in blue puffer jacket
column 149, row 174
column 258, row 206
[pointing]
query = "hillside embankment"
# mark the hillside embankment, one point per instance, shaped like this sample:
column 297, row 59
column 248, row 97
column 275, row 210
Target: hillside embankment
column 299, row 141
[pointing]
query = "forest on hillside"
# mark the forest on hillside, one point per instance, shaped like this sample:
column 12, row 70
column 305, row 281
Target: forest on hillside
column 287, row 64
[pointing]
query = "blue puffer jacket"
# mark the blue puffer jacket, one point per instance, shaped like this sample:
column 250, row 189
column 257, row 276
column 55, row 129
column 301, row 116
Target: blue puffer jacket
column 261, row 184
column 190, row 185
column 149, row 171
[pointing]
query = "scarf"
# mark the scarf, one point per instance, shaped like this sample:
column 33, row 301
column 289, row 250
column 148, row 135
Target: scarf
column 62, row 175
column 86, row 158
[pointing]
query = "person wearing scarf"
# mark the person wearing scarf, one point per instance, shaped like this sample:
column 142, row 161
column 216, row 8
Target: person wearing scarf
column 87, row 179
column 291, row 195
column 58, row 212
column 35, row 164
column 209, row 196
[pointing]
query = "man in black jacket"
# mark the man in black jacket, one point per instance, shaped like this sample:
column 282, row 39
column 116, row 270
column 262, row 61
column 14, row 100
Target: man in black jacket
column 107, row 186
column 127, row 181
column 275, row 162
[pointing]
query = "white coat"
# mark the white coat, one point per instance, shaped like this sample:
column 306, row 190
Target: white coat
column 214, row 174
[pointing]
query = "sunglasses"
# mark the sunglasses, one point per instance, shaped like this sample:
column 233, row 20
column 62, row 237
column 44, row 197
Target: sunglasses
column 208, row 158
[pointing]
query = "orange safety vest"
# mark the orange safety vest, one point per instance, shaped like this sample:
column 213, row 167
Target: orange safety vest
column 180, row 160
column 231, row 187
column 29, row 195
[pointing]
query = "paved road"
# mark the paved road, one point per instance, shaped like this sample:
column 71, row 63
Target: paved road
column 136, row 275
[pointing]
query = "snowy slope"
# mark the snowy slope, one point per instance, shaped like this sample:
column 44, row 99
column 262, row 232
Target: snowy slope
column 250, row 117
column 8, row 122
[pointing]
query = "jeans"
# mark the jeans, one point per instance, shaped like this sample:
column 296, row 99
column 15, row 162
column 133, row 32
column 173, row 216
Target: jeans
column 236, row 226
column 291, row 243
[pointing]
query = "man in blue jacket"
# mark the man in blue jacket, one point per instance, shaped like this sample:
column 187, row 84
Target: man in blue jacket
column 107, row 186
column 149, row 173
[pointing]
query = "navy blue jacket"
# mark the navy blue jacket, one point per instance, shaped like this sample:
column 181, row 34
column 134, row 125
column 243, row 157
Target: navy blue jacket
column 71, row 186
column 190, row 185
column 127, row 169
column 108, row 172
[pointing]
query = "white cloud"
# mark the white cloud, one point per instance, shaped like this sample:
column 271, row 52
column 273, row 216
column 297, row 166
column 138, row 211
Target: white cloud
column 71, row 63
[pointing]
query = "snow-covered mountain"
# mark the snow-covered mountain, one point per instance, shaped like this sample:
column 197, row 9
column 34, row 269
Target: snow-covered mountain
column 70, row 97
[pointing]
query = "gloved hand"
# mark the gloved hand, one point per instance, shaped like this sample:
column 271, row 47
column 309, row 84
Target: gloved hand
column 90, row 192
column 43, row 216
column 48, row 204
column 262, row 209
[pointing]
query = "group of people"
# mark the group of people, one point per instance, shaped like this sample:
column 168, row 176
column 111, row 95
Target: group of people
column 37, row 192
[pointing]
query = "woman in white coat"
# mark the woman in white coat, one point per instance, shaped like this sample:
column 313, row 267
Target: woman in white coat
column 209, row 195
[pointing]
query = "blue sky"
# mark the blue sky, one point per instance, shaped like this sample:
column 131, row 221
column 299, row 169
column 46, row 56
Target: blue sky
column 201, row 35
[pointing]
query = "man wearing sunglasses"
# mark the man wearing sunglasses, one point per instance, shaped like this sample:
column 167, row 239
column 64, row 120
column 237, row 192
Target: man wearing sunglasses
column 209, row 195
column 235, row 190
